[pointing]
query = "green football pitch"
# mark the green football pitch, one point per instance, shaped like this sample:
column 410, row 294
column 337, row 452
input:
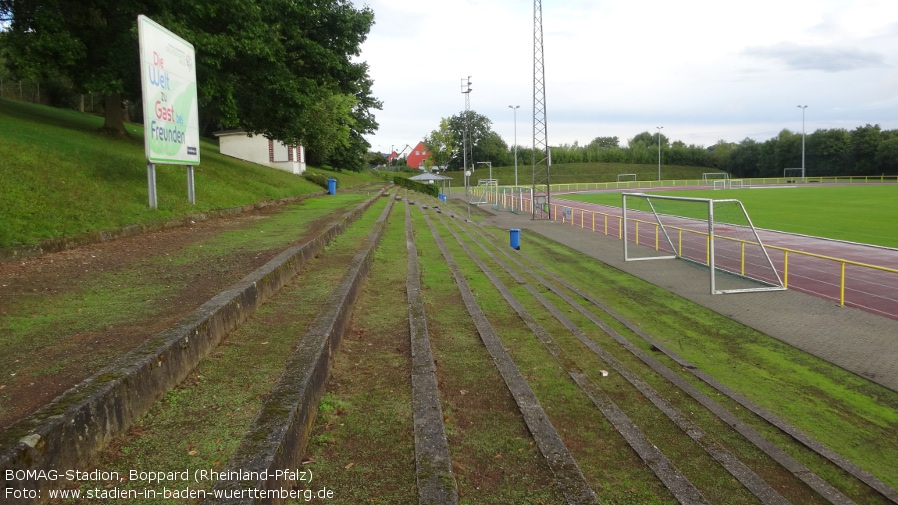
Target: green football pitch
column 866, row 214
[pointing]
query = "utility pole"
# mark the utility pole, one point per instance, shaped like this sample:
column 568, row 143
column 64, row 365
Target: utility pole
column 802, row 107
column 514, row 109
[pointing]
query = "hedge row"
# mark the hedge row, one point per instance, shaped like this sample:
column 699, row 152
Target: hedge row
column 427, row 189
column 317, row 179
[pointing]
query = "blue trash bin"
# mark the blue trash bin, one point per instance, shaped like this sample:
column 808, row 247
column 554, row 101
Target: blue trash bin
column 514, row 235
column 332, row 186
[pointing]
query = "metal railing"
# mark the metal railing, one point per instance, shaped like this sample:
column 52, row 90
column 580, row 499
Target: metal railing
column 612, row 225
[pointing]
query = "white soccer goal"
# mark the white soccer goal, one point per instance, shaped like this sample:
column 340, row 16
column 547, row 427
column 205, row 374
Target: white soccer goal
column 728, row 184
column 485, row 191
column 712, row 176
column 792, row 173
column 717, row 234
column 626, row 177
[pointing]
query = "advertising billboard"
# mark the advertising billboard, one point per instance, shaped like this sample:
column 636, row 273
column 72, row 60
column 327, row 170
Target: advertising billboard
column 168, row 79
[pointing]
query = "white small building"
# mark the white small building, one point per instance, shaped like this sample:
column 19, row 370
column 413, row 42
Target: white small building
column 258, row 149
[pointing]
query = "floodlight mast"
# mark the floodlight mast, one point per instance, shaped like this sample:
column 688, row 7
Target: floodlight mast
column 466, row 90
column 514, row 109
column 541, row 155
column 802, row 107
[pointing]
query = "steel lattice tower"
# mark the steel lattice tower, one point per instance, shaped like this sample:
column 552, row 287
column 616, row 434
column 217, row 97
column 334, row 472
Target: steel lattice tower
column 467, row 148
column 541, row 156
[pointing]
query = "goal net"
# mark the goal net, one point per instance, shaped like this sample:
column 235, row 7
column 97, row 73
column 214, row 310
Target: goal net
column 716, row 234
column 626, row 177
column 486, row 191
column 709, row 177
column 728, row 184
column 792, row 174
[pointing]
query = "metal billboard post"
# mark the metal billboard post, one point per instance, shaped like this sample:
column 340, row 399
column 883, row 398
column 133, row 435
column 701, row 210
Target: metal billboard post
column 191, row 189
column 151, row 184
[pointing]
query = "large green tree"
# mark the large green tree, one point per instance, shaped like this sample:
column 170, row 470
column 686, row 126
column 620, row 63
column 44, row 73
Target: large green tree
column 443, row 144
column 278, row 68
column 486, row 144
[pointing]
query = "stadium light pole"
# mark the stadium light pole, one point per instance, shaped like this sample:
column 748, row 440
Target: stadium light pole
column 802, row 107
column 659, row 151
column 514, row 108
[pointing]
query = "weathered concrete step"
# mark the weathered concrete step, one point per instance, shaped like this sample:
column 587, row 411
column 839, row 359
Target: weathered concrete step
column 70, row 430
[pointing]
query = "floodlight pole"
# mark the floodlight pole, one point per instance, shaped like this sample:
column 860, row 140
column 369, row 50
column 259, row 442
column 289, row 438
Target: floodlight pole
column 514, row 109
column 659, row 151
column 802, row 107
column 466, row 90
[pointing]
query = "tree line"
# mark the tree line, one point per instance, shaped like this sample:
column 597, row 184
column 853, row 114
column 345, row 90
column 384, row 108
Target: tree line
column 866, row 150
column 282, row 69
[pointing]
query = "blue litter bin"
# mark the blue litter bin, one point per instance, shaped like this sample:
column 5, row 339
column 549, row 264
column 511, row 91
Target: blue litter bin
column 442, row 197
column 332, row 186
column 514, row 236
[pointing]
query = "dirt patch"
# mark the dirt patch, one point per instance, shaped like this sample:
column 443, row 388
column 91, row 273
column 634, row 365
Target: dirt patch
column 64, row 356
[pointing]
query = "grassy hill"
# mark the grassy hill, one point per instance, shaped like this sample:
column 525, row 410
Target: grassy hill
column 59, row 177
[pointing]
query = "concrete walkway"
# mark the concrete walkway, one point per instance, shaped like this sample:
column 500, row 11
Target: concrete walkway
column 858, row 341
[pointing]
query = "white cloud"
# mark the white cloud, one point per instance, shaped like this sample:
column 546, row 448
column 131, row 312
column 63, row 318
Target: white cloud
column 705, row 70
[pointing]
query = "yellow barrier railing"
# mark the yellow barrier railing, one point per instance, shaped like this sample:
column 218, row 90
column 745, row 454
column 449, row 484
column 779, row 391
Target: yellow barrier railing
column 525, row 205
column 606, row 230
column 756, row 181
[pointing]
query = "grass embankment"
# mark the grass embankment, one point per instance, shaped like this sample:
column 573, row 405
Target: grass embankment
column 59, row 177
column 864, row 214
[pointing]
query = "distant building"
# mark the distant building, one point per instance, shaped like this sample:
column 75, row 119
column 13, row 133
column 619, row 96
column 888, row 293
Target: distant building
column 416, row 157
column 257, row 149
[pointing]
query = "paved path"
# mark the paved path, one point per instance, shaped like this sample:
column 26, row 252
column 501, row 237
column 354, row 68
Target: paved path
column 851, row 338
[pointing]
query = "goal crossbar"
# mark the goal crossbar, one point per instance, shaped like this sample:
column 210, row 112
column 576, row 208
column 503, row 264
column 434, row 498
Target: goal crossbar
column 730, row 246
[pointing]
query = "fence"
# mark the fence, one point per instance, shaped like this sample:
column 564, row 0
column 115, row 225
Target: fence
column 870, row 287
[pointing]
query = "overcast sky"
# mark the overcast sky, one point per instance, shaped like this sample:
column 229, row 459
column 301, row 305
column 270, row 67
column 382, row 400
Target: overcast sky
column 704, row 70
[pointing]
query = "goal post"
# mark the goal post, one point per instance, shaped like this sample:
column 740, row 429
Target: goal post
column 792, row 173
column 486, row 191
column 714, row 233
column 712, row 176
column 626, row 177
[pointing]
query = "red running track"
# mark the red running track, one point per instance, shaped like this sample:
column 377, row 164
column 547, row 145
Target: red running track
column 866, row 288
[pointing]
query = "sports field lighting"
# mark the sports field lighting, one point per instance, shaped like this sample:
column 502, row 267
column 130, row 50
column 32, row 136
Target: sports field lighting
column 802, row 107
column 514, row 109
column 659, row 151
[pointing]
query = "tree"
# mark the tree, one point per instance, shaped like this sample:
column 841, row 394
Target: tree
column 442, row 144
column 479, row 133
column 865, row 142
column 605, row 142
column 278, row 68
column 646, row 139
column 828, row 152
column 743, row 161
column 94, row 46
column 887, row 155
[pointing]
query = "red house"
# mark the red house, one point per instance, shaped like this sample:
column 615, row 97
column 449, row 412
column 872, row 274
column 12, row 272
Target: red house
column 416, row 157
